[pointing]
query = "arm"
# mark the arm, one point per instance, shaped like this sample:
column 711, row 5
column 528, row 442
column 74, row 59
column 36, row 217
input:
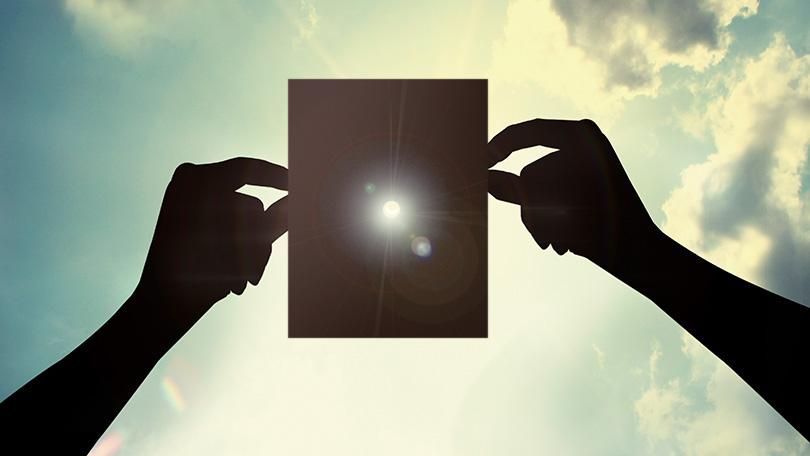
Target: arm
column 762, row 336
column 69, row 405
column 579, row 199
column 209, row 241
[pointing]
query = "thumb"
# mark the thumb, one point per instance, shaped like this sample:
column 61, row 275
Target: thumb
column 505, row 186
column 277, row 218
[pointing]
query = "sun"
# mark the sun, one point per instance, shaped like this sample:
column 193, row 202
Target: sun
column 390, row 209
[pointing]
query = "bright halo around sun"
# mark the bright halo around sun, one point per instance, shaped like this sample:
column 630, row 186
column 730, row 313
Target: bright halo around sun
column 391, row 209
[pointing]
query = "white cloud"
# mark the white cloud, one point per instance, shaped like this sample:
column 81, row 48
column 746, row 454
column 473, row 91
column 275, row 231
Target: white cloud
column 636, row 39
column 658, row 410
column 122, row 26
column 534, row 49
column 659, row 407
column 599, row 53
column 733, row 419
column 745, row 207
column 307, row 20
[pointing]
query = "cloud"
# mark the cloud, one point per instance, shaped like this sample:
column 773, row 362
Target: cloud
column 121, row 26
column 658, row 408
column 307, row 20
column 635, row 39
column 598, row 53
column 711, row 412
column 746, row 207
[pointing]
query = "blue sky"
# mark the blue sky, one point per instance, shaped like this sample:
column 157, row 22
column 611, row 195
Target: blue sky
column 101, row 99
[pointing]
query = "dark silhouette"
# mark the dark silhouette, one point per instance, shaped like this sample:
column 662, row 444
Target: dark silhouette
column 209, row 241
column 579, row 199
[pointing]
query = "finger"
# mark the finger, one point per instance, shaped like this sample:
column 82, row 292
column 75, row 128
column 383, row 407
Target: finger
column 239, row 287
column 236, row 172
column 539, row 237
column 275, row 225
column 537, row 132
column 276, row 218
column 534, row 227
column 505, row 187
column 259, row 272
column 249, row 239
column 559, row 249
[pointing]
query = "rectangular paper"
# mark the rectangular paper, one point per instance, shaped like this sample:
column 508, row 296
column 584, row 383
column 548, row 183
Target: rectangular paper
column 388, row 208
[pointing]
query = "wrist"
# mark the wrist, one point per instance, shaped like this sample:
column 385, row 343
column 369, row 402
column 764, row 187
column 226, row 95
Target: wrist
column 638, row 257
column 141, row 319
column 169, row 308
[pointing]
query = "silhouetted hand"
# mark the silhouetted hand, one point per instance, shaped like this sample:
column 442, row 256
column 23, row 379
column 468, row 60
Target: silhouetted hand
column 211, row 240
column 577, row 198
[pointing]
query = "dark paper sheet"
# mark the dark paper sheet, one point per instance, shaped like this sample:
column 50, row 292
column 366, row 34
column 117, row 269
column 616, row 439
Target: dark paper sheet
column 388, row 208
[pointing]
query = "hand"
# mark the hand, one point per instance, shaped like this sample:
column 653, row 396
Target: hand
column 210, row 240
column 577, row 198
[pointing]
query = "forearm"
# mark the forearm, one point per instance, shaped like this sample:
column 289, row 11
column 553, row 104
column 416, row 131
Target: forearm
column 71, row 404
column 760, row 335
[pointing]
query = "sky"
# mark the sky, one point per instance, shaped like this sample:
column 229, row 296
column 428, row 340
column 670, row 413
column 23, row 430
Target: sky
column 707, row 103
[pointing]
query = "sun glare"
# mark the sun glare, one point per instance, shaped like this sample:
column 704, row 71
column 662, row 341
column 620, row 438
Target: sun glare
column 391, row 209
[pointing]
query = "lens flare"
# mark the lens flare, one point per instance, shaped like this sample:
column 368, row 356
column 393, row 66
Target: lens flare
column 173, row 394
column 421, row 247
column 391, row 209
column 108, row 445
